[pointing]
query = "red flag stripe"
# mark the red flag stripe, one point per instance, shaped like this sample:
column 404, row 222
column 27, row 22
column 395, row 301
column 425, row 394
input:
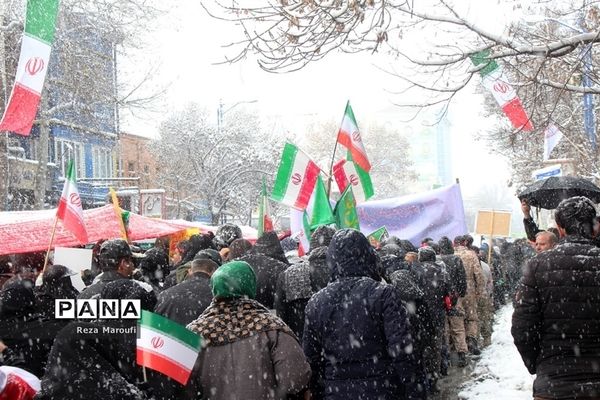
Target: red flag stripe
column 308, row 184
column 160, row 363
column 340, row 175
column 516, row 114
column 357, row 155
column 71, row 221
column 21, row 110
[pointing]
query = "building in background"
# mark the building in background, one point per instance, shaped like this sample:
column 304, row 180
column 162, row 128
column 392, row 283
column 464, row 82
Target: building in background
column 136, row 160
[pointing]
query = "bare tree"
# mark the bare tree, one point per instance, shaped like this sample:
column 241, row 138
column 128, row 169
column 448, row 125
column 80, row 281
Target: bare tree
column 220, row 168
column 546, row 49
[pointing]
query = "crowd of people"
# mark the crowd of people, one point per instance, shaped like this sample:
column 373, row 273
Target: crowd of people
column 346, row 321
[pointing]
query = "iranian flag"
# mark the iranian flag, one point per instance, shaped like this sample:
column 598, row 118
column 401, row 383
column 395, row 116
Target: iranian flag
column 166, row 347
column 349, row 137
column 505, row 95
column 32, row 67
column 300, row 228
column 552, row 135
column 265, row 224
column 296, row 178
column 69, row 210
column 348, row 173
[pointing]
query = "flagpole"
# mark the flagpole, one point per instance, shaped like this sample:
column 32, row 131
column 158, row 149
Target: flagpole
column 50, row 244
column 330, row 178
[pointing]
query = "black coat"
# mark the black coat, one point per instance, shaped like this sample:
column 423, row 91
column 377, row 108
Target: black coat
column 185, row 301
column 357, row 330
column 531, row 228
column 456, row 274
column 99, row 365
column 297, row 284
column 27, row 334
column 268, row 261
column 96, row 288
column 556, row 321
column 433, row 281
column 29, row 340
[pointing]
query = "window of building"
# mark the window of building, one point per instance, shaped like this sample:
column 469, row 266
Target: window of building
column 146, row 169
column 130, row 166
column 103, row 162
column 65, row 150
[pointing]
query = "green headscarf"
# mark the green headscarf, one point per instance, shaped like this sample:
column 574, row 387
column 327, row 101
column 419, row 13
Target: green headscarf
column 234, row 279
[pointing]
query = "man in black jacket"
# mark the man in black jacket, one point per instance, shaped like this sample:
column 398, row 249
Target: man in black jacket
column 556, row 322
column 116, row 262
column 185, row 301
column 357, row 332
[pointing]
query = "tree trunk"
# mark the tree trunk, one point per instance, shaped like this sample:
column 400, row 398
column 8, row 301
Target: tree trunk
column 42, row 169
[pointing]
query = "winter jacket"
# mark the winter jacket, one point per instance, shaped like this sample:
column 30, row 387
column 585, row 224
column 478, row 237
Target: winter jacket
column 185, row 301
column 556, row 321
column 531, row 228
column 297, row 284
column 28, row 340
column 433, row 280
column 27, row 334
column 390, row 264
column 96, row 288
column 266, row 261
column 266, row 365
column 357, row 331
column 87, row 362
column 456, row 274
column 473, row 272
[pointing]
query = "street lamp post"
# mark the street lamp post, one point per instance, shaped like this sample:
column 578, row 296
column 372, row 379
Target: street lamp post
column 220, row 113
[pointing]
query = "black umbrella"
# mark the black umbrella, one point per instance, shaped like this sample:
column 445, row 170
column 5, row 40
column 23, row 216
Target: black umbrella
column 549, row 192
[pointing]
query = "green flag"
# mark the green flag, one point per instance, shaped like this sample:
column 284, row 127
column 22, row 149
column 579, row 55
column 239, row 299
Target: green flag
column 321, row 212
column 345, row 211
column 376, row 237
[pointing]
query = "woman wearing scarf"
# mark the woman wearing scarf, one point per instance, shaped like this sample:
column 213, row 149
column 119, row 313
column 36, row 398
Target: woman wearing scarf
column 248, row 352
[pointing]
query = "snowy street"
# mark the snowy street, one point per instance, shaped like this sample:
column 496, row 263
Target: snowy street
column 499, row 373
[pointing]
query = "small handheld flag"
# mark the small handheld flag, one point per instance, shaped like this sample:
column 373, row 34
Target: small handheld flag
column 167, row 347
column 70, row 211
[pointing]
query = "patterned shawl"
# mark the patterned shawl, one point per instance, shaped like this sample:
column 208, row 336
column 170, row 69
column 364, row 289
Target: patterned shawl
column 226, row 321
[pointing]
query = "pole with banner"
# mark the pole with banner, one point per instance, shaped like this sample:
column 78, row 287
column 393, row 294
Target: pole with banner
column 491, row 239
column 117, row 208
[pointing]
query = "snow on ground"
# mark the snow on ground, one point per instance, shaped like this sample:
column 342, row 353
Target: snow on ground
column 499, row 373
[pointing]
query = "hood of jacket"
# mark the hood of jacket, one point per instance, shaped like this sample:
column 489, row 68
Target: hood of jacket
column 351, row 255
column 268, row 245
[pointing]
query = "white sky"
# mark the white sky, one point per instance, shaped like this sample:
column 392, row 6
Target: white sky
column 189, row 42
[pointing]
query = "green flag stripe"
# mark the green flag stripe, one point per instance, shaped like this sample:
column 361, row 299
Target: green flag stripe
column 365, row 179
column 482, row 57
column 322, row 214
column 364, row 176
column 41, row 19
column 350, row 114
column 167, row 327
column 285, row 171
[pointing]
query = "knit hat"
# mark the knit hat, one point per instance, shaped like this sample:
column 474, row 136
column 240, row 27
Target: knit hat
column 234, row 279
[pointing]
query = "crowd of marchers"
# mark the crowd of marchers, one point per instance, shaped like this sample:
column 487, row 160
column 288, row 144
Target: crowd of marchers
column 348, row 320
